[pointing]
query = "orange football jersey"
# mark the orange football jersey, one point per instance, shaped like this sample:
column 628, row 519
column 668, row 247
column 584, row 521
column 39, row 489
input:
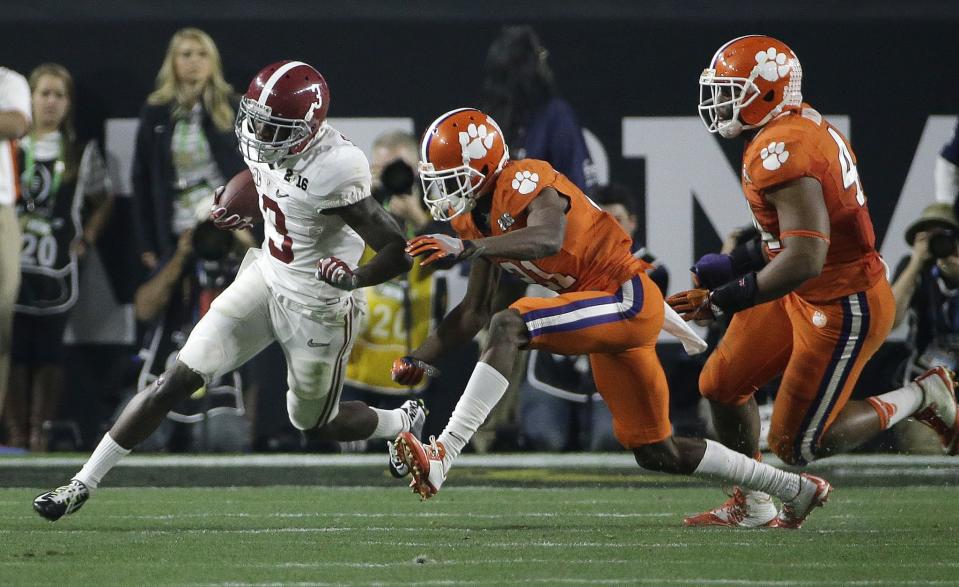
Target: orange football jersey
column 596, row 252
column 801, row 143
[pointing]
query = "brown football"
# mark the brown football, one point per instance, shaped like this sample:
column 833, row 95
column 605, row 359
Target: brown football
column 241, row 197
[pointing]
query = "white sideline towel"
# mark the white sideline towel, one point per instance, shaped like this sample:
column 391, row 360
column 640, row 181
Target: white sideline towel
column 676, row 326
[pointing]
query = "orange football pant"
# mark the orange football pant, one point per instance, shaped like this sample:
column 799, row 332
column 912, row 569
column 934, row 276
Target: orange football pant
column 618, row 331
column 820, row 350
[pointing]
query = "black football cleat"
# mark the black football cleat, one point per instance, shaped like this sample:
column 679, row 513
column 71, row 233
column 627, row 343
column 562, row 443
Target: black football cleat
column 63, row 500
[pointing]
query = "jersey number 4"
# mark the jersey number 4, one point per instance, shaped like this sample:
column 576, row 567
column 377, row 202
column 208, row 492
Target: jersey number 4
column 284, row 252
column 850, row 175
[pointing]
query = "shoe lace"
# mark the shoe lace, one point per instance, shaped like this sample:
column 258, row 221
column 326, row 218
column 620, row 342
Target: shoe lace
column 68, row 492
column 735, row 506
column 436, row 449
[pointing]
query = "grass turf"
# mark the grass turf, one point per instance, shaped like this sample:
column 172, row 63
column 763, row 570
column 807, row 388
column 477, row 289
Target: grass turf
column 471, row 535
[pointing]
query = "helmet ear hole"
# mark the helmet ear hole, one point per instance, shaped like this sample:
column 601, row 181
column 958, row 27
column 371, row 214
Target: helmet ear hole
column 769, row 96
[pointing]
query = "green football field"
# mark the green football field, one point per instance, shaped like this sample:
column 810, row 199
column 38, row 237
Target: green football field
column 472, row 536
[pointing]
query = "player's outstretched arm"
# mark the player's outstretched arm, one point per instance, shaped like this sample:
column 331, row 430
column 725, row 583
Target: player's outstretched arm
column 543, row 235
column 381, row 232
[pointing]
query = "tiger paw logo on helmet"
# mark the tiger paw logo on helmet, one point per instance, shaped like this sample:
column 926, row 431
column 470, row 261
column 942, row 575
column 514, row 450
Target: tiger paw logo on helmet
column 774, row 155
column 525, row 182
column 771, row 64
column 476, row 141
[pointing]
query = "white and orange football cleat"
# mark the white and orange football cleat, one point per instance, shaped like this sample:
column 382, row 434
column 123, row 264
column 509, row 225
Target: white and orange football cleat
column 813, row 492
column 742, row 510
column 939, row 409
column 426, row 462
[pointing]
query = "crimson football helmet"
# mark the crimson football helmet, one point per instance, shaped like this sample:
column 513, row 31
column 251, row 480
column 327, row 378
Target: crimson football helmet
column 461, row 153
column 282, row 111
column 749, row 81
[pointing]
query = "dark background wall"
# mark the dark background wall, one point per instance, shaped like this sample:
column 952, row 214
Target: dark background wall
column 885, row 64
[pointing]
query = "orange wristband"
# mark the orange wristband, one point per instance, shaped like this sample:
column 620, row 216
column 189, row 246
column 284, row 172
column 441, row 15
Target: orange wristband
column 804, row 234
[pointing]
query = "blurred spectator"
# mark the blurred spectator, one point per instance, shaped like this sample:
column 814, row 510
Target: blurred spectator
column 177, row 295
column 65, row 203
column 519, row 92
column 185, row 144
column 947, row 170
column 399, row 312
column 14, row 122
column 620, row 202
column 926, row 289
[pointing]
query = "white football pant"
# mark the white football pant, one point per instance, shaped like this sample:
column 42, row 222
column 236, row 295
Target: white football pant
column 247, row 317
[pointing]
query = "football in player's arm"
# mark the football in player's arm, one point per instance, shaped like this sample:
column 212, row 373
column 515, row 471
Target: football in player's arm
column 313, row 190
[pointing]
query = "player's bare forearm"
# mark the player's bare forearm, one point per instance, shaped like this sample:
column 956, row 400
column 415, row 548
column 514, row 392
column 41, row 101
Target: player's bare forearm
column 455, row 330
column 543, row 235
column 532, row 242
column 466, row 319
column 391, row 260
column 789, row 269
column 381, row 232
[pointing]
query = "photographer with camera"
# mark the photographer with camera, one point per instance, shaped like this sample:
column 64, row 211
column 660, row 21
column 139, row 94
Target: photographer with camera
column 927, row 290
column 171, row 301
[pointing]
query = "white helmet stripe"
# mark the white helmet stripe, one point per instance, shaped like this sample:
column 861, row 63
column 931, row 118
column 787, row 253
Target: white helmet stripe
column 268, row 87
column 429, row 132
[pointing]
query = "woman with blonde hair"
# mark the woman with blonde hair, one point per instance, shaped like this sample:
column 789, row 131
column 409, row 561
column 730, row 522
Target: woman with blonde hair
column 185, row 144
column 65, row 203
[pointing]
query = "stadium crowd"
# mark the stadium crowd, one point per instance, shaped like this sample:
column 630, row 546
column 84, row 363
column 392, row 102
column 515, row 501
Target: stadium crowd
column 56, row 200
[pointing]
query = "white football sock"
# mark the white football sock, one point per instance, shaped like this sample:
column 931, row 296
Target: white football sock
column 390, row 423
column 733, row 468
column 897, row 405
column 107, row 454
column 484, row 390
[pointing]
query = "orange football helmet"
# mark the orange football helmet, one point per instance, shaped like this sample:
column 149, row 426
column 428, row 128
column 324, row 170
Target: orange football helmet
column 749, row 81
column 461, row 153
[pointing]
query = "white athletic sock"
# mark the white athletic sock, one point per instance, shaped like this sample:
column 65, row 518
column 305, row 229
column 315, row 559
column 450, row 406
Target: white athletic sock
column 390, row 423
column 732, row 468
column 897, row 405
column 107, row 454
column 484, row 390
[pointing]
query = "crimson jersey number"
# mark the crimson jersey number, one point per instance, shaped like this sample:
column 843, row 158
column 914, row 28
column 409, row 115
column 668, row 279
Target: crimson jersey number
column 284, row 252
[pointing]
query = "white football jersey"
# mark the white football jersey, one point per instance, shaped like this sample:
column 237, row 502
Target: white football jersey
column 331, row 173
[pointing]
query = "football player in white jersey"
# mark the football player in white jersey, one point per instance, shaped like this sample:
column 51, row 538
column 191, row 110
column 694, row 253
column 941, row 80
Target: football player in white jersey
column 314, row 188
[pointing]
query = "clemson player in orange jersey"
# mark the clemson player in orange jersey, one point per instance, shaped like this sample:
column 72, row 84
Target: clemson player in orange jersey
column 820, row 307
column 526, row 218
